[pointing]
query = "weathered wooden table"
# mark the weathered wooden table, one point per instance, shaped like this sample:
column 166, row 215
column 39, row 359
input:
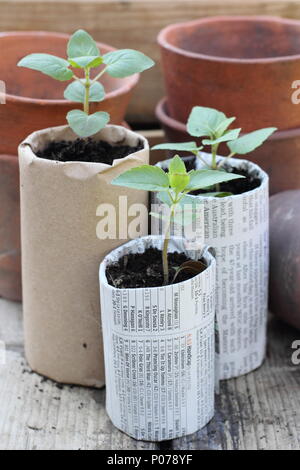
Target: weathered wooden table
column 258, row 411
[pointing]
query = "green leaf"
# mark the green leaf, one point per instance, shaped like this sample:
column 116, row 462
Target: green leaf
column 224, row 125
column 126, row 62
column 249, row 142
column 81, row 44
column 177, row 165
column 86, row 125
column 200, row 179
column 146, row 177
column 179, row 181
column 86, row 61
column 76, row 90
column 229, row 135
column 204, row 121
column 179, row 147
column 48, row 64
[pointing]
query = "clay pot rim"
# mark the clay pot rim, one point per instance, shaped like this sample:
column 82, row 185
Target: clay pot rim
column 163, row 42
column 164, row 118
column 129, row 82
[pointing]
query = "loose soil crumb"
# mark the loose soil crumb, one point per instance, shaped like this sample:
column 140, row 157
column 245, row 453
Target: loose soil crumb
column 86, row 150
column 145, row 270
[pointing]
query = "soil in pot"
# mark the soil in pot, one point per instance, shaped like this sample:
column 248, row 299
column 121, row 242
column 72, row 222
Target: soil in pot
column 239, row 186
column 87, row 150
column 137, row 270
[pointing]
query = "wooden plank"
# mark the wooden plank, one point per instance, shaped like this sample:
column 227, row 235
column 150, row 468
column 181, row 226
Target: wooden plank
column 132, row 24
column 260, row 410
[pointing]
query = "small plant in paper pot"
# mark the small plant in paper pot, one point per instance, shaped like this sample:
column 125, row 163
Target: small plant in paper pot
column 214, row 127
column 157, row 300
column 236, row 225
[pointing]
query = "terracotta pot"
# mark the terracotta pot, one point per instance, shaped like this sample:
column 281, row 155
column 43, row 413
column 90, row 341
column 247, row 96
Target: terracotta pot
column 10, row 253
column 242, row 65
column 278, row 156
column 285, row 256
column 35, row 101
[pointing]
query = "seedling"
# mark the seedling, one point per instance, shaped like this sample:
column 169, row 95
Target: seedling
column 172, row 187
column 83, row 54
column 214, row 125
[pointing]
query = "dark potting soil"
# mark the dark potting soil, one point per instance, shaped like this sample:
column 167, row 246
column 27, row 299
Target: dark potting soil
column 238, row 186
column 86, row 150
column 145, row 270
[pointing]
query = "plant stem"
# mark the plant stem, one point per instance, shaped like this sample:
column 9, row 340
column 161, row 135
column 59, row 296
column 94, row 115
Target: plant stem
column 87, row 91
column 165, row 248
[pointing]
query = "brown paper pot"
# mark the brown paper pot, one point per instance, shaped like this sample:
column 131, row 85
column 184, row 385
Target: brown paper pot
column 271, row 157
column 242, row 65
column 61, row 253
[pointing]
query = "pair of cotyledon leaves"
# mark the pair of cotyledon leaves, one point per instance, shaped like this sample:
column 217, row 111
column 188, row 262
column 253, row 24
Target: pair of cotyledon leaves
column 83, row 53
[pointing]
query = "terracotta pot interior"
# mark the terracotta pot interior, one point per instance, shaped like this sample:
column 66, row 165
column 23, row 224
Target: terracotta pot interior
column 32, row 84
column 238, row 39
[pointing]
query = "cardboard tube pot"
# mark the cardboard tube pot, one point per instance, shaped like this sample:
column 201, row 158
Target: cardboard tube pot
column 242, row 65
column 61, row 252
column 237, row 227
column 159, row 349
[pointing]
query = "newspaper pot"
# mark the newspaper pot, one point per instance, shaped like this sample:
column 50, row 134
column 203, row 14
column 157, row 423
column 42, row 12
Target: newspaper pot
column 10, row 253
column 61, row 252
column 242, row 65
column 34, row 100
column 237, row 227
column 159, row 350
column 285, row 257
column 271, row 156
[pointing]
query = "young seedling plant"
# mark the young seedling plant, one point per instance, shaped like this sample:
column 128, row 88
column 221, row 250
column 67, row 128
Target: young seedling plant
column 83, row 54
column 172, row 187
column 214, row 126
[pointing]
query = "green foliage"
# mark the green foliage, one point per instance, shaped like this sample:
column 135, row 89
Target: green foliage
column 126, row 62
column 249, row 142
column 214, row 125
column 83, row 53
column 48, row 64
column 172, row 187
column 84, row 124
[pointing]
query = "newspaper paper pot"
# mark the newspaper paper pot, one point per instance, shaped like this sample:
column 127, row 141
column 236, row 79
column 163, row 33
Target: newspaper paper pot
column 35, row 101
column 159, row 350
column 237, row 227
column 61, row 252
